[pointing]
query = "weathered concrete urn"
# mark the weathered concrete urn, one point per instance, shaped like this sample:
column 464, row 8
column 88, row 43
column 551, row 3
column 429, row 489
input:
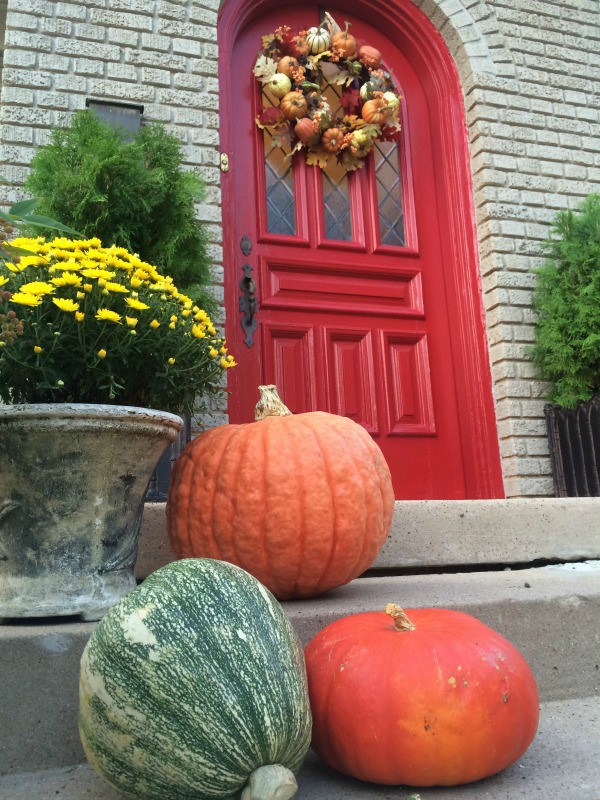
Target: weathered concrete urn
column 73, row 480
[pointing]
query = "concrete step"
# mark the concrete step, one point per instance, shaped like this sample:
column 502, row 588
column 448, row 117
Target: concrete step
column 434, row 533
column 563, row 762
column 549, row 613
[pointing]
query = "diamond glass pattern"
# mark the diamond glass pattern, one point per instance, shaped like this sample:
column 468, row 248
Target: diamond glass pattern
column 279, row 179
column 389, row 193
column 336, row 190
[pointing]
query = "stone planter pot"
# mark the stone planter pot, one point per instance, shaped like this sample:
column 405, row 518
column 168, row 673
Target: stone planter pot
column 73, row 480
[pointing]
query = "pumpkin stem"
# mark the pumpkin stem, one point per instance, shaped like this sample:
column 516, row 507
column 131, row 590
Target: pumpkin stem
column 401, row 621
column 272, row 782
column 270, row 404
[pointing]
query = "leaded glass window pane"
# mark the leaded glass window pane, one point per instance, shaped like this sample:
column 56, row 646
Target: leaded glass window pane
column 336, row 188
column 279, row 180
column 389, row 193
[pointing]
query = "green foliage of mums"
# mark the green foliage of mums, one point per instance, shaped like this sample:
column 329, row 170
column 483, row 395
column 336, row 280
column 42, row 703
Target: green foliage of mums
column 129, row 192
column 567, row 300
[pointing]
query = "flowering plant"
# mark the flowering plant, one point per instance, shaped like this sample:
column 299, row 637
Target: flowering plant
column 90, row 324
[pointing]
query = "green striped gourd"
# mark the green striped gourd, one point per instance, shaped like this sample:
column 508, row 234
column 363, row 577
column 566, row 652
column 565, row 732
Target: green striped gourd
column 193, row 687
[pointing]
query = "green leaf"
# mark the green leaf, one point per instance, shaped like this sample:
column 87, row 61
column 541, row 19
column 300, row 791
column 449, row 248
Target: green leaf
column 16, row 251
column 39, row 221
column 23, row 207
column 7, row 218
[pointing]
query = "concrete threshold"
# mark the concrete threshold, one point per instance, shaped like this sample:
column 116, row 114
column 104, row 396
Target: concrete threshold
column 443, row 533
column 563, row 762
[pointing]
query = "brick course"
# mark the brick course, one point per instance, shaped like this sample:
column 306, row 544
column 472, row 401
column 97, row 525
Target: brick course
column 530, row 73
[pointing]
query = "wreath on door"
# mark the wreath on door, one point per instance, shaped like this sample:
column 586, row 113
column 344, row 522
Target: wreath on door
column 297, row 68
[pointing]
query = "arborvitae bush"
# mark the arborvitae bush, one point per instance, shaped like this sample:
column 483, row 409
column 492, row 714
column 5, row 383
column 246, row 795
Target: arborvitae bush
column 128, row 192
column 567, row 300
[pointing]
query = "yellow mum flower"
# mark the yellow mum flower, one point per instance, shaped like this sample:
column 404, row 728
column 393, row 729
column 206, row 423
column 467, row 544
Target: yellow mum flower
column 136, row 304
column 12, row 267
column 94, row 272
column 3, row 281
column 102, row 353
column 211, row 330
column 186, row 312
column 155, row 324
column 26, row 299
column 173, row 317
column 37, row 287
column 213, row 353
column 80, row 295
column 198, row 332
column 131, row 321
column 37, row 349
column 116, row 287
column 172, row 325
column 171, row 361
column 79, row 315
column 30, row 261
column 88, row 287
column 67, row 266
column 64, row 304
column 135, row 282
column 106, row 315
column 223, row 351
column 67, row 279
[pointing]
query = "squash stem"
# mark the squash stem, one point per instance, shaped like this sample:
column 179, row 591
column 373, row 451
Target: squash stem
column 270, row 404
column 272, row 782
column 401, row 621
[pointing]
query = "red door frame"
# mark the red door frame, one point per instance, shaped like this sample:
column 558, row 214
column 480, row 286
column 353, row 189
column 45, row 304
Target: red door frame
column 409, row 29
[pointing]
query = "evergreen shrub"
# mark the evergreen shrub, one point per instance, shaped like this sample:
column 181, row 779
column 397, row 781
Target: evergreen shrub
column 131, row 193
column 567, row 301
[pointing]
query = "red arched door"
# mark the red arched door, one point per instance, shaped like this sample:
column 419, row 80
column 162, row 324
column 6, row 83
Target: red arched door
column 354, row 280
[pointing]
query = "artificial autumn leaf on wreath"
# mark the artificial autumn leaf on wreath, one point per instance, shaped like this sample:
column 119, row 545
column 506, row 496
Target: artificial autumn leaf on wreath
column 350, row 101
column 316, row 157
column 351, row 161
column 391, row 132
column 270, row 116
column 284, row 137
column 287, row 44
column 265, row 68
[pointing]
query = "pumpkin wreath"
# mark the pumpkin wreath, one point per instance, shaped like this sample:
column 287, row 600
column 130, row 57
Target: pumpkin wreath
column 297, row 69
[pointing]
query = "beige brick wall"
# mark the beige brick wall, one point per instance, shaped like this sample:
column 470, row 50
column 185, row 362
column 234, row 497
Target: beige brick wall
column 530, row 71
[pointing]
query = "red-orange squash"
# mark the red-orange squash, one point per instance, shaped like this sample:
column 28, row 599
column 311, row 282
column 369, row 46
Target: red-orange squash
column 370, row 56
column 305, row 130
column 430, row 697
column 303, row 502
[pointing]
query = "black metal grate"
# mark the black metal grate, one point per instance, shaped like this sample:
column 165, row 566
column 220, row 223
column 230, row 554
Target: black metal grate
column 159, row 482
column 574, row 435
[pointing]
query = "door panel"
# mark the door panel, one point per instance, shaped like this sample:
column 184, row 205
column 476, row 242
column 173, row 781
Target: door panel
column 351, row 277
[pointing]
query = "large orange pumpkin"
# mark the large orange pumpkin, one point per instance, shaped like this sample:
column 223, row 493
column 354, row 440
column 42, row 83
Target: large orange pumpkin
column 303, row 502
column 426, row 697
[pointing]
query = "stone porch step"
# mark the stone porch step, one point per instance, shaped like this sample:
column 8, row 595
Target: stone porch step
column 563, row 762
column 550, row 613
column 434, row 533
